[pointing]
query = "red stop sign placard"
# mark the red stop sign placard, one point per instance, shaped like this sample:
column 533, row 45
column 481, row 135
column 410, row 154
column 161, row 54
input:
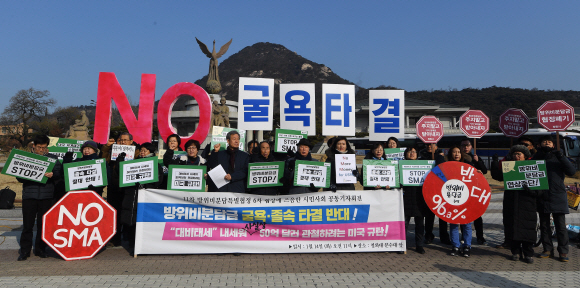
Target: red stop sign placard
column 514, row 123
column 79, row 225
column 429, row 129
column 474, row 123
column 556, row 115
column 456, row 192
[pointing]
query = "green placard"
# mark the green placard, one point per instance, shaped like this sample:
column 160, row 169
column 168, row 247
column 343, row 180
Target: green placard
column 287, row 139
column 79, row 175
column 532, row 172
column 59, row 146
column 190, row 178
column 144, row 170
column 381, row 173
column 317, row 173
column 218, row 135
column 60, row 151
column 29, row 166
column 395, row 153
column 266, row 174
column 413, row 172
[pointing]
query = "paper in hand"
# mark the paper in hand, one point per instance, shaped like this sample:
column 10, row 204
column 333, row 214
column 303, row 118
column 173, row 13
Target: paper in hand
column 217, row 175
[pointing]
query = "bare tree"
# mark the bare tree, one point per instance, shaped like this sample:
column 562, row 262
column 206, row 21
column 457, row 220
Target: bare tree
column 26, row 107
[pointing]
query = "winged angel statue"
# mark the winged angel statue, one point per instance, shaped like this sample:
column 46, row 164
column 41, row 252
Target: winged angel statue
column 213, row 85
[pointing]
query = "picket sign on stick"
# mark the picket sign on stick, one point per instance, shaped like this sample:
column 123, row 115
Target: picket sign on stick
column 474, row 124
column 556, row 115
column 429, row 130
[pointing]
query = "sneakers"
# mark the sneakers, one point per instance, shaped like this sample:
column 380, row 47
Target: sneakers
column 547, row 254
column 466, row 252
column 564, row 257
column 454, row 251
column 529, row 260
column 515, row 257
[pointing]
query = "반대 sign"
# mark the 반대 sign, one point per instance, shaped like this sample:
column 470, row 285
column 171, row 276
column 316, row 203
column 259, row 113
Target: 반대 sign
column 414, row 172
column 317, row 173
column 218, row 136
column 381, row 173
column 265, row 174
column 144, row 170
column 29, row 166
column 80, row 175
column 530, row 172
column 395, row 153
column 344, row 164
column 188, row 178
column 59, row 147
column 287, row 139
column 118, row 149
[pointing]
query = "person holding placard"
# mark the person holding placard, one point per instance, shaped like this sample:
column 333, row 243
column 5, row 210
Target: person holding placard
column 426, row 154
column 519, row 211
column 392, row 142
column 90, row 151
column 37, row 198
column 265, row 155
column 476, row 162
column 377, row 153
column 415, row 206
column 329, row 143
column 128, row 213
column 253, row 147
column 339, row 147
column 173, row 144
column 554, row 201
column 302, row 153
column 233, row 161
column 192, row 157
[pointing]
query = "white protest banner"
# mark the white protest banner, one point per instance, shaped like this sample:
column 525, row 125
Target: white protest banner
column 395, row 153
column 266, row 174
column 297, row 107
column 286, row 140
column 144, row 170
column 343, row 166
column 218, row 136
column 381, row 173
column 29, row 166
column 414, row 172
column 255, row 103
column 306, row 172
column 187, row 178
column 338, row 110
column 175, row 222
column 80, row 175
column 386, row 114
column 118, row 149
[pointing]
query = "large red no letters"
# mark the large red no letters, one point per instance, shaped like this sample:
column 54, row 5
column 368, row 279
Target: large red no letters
column 556, row 115
column 456, row 192
column 79, row 225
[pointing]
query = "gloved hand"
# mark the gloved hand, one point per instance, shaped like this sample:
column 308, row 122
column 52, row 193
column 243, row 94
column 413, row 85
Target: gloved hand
column 291, row 153
column 283, row 180
column 121, row 157
column 92, row 188
column 495, row 157
column 355, row 172
column 333, row 188
column 526, row 188
column 312, row 188
column 559, row 154
column 138, row 185
column 68, row 157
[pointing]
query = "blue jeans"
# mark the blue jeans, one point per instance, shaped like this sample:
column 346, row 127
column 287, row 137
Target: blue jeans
column 465, row 230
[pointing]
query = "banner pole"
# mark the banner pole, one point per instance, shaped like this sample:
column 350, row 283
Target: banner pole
column 557, row 140
column 474, row 146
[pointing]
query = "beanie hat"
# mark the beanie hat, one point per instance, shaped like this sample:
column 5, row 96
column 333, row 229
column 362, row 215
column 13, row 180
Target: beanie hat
column 521, row 148
column 304, row 141
column 149, row 146
column 547, row 138
column 91, row 144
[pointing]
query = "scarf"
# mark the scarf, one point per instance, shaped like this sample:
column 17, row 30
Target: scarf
column 232, row 152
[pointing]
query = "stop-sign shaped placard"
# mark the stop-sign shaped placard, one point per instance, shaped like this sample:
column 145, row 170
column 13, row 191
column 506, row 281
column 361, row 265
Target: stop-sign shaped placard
column 429, row 129
column 79, row 225
column 456, row 192
column 514, row 123
column 474, row 123
column 556, row 115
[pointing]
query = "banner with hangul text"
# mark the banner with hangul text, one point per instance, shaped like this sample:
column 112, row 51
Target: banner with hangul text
column 175, row 222
column 529, row 172
column 297, row 108
column 28, row 166
column 80, row 175
column 381, row 173
column 59, row 147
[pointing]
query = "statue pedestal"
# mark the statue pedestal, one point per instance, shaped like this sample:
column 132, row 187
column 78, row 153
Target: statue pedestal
column 80, row 135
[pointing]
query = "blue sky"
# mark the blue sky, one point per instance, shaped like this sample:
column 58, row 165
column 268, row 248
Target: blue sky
column 61, row 46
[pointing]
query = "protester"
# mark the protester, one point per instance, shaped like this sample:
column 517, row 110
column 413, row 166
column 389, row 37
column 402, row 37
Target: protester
column 303, row 153
column 426, row 154
column 265, row 155
column 235, row 163
column 555, row 200
column 340, row 146
column 476, row 162
column 173, row 144
column 377, row 153
column 392, row 142
column 329, row 143
column 252, row 147
column 192, row 157
column 455, row 154
column 90, row 151
column 37, row 198
column 519, row 211
column 131, row 193
column 415, row 206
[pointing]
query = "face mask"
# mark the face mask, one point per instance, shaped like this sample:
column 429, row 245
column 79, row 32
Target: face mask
column 547, row 149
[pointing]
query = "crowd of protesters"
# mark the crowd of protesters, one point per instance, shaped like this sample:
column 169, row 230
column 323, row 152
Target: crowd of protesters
column 520, row 208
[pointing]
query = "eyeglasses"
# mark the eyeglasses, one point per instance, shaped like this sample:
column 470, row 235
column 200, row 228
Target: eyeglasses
column 412, row 152
column 191, row 148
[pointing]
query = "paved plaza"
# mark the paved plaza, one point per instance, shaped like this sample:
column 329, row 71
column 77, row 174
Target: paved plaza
column 114, row 267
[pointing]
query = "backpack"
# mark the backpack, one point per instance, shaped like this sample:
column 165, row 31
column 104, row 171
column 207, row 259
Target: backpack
column 7, row 197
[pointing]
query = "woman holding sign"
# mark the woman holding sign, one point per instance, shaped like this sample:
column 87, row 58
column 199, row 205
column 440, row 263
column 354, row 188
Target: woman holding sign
column 340, row 148
column 90, row 152
column 376, row 153
column 415, row 205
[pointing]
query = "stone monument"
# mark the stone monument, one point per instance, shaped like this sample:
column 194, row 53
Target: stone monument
column 79, row 130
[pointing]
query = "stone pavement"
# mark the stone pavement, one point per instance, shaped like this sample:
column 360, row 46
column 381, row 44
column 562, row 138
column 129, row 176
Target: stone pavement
column 487, row 267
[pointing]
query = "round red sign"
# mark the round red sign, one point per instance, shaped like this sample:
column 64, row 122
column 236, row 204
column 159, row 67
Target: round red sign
column 474, row 123
column 79, row 225
column 514, row 123
column 429, row 129
column 556, row 115
column 456, row 192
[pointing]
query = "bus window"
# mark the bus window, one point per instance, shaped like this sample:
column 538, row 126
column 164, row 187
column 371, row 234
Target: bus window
column 573, row 146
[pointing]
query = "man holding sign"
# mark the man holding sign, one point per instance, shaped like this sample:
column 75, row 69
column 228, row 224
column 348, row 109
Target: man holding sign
column 37, row 198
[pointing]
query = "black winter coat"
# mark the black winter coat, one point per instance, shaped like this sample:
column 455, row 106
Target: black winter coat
column 555, row 200
column 128, row 213
column 239, row 173
column 330, row 159
column 414, row 203
column 258, row 158
column 36, row 190
column 289, row 174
